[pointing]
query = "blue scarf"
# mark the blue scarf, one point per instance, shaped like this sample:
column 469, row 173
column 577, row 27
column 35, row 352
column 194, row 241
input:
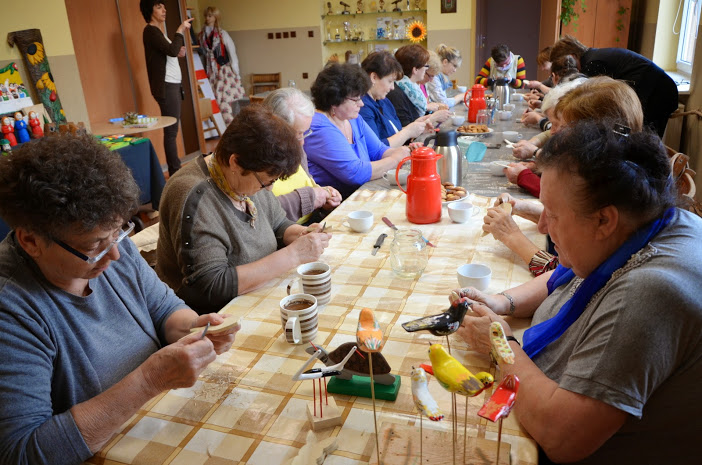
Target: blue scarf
column 414, row 93
column 538, row 337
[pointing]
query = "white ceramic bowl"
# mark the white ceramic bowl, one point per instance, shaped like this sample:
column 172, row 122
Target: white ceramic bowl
column 509, row 106
column 390, row 177
column 474, row 275
column 497, row 168
column 458, row 120
column 461, row 89
column 460, row 212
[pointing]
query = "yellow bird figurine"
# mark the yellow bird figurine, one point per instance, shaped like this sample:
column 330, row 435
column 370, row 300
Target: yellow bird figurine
column 454, row 377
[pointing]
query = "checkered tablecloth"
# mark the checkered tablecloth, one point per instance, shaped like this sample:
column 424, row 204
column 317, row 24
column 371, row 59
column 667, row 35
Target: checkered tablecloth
column 246, row 408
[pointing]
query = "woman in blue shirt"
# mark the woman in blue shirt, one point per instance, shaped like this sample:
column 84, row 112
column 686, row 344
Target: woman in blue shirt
column 379, row 112
column 450, row 62
column 343, row 151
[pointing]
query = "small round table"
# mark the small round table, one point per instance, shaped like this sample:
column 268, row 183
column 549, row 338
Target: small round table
column 109, row 129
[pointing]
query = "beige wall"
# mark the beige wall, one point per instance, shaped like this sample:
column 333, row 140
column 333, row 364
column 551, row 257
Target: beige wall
column 246, row 15
column 49, row 16
column 456, row 30
column 666, row 43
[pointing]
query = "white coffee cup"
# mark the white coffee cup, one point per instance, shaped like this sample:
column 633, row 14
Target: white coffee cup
column 512, row 136
column 316, row 280
column 460, row 212
column 389, row 176
column 517, row 97
column 505, row 115
column 474, row 275
column 300, row 318
column 509, row 106
column 457, row 120
column 360, row 221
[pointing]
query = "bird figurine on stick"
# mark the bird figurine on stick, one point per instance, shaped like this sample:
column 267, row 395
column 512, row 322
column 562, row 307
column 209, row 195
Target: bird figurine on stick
column 441, row 324
column 453, row 376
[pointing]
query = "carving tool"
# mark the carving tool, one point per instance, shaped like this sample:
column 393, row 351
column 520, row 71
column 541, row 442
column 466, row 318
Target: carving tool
column 509, row 144
column 378, row 243
column 387, row 221
column 204, row 332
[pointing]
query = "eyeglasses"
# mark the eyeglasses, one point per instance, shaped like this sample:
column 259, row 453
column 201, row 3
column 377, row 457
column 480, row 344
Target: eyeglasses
column 304, row 135
column 264, row 186
column 126, row 229
column 429, row 75
column 355, row 100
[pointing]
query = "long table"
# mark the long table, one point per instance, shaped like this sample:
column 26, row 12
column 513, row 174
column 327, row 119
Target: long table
column 245, row 408
column 477, row 177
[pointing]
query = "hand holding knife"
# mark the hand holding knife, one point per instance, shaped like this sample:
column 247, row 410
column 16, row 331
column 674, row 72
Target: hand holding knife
column 378, row 243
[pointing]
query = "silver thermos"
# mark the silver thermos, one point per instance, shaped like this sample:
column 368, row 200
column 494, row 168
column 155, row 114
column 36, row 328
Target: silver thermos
column 501, row 91
column 450, row 166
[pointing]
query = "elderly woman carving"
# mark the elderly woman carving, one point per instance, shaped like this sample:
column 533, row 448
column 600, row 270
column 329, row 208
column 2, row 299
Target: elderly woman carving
column 615, row 348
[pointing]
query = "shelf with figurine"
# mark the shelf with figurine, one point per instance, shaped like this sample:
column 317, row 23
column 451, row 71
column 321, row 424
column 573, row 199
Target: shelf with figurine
column 332, row 42
column 375, row 13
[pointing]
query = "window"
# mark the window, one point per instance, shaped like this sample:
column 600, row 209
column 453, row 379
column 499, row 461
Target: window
column 688, row 34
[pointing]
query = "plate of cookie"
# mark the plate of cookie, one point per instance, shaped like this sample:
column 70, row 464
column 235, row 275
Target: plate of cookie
column 451, row 193
column 474, row 129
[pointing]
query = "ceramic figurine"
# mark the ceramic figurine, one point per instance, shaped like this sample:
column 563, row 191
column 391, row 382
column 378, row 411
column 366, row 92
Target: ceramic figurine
column 500, row 404
column 329, row 9
column 453, row 376
column 368, row 335
column 8, row 131
column 417, row 4
column 397, row 8
column 359, row 6
column 423, row 400
column 327, row 371
column 346, row 8
column 442, row 324
column 35, row 124
column 500, row 350
column 381, row 8
column 5, row 146
column 21, row 128
column 357, row 365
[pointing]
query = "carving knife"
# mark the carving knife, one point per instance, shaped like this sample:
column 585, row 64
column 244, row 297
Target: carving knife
column 378, row 243
column 387, row 221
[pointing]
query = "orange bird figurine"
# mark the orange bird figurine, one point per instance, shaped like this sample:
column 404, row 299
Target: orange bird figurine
column 368, row 335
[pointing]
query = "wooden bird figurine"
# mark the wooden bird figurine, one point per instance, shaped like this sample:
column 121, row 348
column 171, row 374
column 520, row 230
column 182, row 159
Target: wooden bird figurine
column 500, row 350
column 502, row 400
column 442, row 324
column 357, row 365
column 368, row 335
column 453, row 376
column 423, row 400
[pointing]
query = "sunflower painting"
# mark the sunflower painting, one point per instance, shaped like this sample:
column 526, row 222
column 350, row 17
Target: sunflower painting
column 31, row 47
column 416, row 32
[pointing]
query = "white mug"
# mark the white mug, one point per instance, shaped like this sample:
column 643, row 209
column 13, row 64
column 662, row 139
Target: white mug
column 360, row 221
column 460, row 212
column 512, row 136
column 316, row 280
column 505, row 115
column 474, row 275
column 299, row 317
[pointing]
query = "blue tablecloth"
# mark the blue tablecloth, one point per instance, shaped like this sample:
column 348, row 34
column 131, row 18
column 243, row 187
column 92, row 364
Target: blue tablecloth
column 146, row 169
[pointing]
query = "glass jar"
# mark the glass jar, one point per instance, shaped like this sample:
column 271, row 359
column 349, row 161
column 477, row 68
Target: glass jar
column 408, row 253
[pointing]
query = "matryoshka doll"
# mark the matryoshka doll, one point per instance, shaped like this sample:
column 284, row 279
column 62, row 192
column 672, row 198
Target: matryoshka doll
column 21, row 128
column 8, row 131
column 35, row 124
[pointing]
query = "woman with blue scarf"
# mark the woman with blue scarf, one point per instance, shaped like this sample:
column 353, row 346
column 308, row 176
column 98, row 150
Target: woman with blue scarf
column 407, row 98
column 610, row 367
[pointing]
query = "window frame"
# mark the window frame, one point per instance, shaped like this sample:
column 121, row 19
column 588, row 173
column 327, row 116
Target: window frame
column 686, row 34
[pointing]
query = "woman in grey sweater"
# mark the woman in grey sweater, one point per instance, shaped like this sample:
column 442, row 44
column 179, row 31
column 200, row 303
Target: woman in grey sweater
column 222, row 231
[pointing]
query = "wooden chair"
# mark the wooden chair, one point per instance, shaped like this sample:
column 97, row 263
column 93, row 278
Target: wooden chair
column 264, row 82
column 206, row 114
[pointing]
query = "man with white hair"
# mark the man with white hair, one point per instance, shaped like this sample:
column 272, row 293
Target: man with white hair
column 299, row 195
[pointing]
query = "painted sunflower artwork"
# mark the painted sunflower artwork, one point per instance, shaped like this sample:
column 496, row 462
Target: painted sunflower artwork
column 31, row 46
column 416, row 32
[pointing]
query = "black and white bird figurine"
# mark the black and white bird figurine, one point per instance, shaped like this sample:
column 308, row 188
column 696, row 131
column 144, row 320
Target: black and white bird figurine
column 442, row 324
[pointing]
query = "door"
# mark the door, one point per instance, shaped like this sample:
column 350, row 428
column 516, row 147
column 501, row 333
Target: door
column 511, row 22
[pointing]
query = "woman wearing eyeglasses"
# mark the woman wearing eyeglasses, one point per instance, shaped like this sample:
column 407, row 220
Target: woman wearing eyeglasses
column 343, row 151
column 450, row 62
column 300, row 196
column 89, row 332
column 222, row 231
column 407, row 97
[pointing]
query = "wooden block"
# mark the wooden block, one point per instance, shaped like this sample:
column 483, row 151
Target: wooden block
column 331, row 415
column 228, row 323
column 400, row 446
column 360, row 386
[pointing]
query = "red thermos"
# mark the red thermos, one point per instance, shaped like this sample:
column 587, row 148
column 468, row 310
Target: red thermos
column 477, row 102
column 423, row 187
